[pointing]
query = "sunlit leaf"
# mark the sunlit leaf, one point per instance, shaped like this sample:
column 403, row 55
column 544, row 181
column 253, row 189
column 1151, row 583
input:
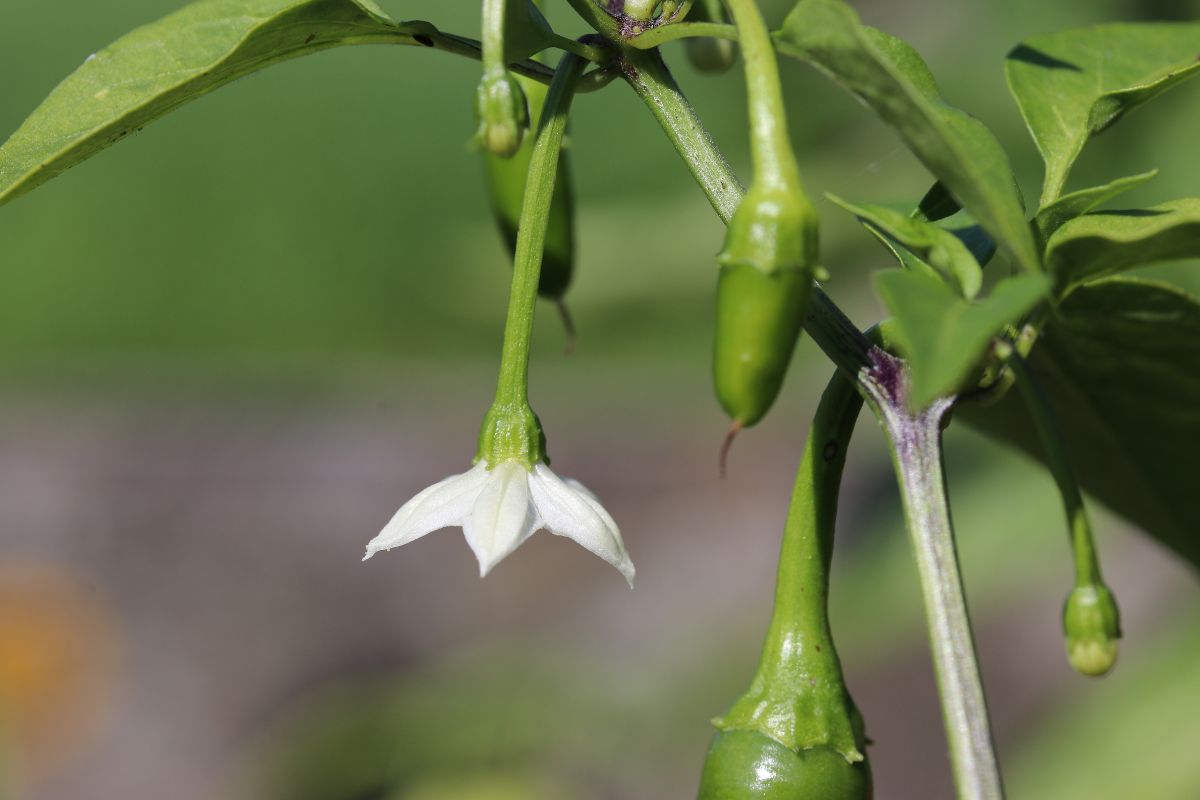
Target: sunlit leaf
column 940, row 249
column 943, row 336
column 163, row 65
column 1078, row 203
column 1119, row 365
column 890, row 77
column 1074, row 84
column 1107, row 242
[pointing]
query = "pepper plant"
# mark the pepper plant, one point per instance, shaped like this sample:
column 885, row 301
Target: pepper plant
column 1051, row 349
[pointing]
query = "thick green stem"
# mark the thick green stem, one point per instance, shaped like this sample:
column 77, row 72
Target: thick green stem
column 511, row 388
column 1083, row 547
column 492, row 39
column 916, row 439
column 648, row 75
column 770, row 148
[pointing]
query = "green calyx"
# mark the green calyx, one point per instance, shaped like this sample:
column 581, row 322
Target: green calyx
column 502, row 112
column 1093, row 626
column 511, row 432
column 746, row 765
column 774, row 228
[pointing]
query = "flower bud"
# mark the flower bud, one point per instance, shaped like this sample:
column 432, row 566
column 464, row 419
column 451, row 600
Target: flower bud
column 747, row 765
column 502, row 112
column 1092, row 624
column 709, row 54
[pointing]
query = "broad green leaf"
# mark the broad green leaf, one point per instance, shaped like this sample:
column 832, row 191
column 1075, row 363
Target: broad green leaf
column 944, row 337
column 890, row 77
column 938, row 248
column 1106, row 242
column 1119, row 365
column 159, row 67
column 1076, row 204
column 1074, row 84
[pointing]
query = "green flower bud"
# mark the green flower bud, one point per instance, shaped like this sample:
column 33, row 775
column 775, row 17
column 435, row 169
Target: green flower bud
column 502, row 112
column 640, row 10
column 747, row 765
column 1093, row 626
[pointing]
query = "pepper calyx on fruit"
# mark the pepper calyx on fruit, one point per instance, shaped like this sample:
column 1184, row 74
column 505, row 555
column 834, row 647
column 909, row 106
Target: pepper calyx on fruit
column 773, row 228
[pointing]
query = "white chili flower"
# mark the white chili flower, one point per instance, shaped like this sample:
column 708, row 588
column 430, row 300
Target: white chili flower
column 499, row 508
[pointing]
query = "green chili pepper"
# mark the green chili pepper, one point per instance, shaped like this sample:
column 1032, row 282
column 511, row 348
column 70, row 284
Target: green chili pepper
column 709, row 54
column 770, row 254
column 796, row 733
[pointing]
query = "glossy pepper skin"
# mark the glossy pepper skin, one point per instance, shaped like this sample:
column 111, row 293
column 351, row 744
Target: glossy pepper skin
column 506, row 187
column 747, row 765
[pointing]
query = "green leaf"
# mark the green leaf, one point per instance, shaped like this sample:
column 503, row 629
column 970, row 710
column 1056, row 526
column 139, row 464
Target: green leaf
column 163, row 65
column 1119, row 365
column 1074, row 84
column 1106, row 242
column 1076, row 204
column 890, row 77
column 936, row 247
column 944, row 337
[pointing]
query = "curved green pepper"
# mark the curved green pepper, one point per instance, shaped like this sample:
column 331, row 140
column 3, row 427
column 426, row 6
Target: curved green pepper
column 796, row 733
column 770, row 254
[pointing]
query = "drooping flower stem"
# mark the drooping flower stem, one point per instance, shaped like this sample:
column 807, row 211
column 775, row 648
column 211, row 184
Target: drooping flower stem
column 916, row 446
column 511, row 389
column 1091, row 619
column 1087, row 565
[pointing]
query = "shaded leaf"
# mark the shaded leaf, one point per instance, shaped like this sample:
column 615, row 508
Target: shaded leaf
column 163, row 65
column 1074, row 84
column 1076, row 204
column 944, row 337
column 940, row 249
column 1119, row 366
column 1106, row 242
column 890, row 77
column 937, row 204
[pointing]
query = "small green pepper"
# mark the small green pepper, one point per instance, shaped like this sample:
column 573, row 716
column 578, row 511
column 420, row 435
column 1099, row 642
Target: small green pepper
column 770, row 256
column 707, row 53
column 796, row 734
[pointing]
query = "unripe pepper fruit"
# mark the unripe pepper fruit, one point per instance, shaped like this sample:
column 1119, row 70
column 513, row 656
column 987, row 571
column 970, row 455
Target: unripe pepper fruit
column 747, row 765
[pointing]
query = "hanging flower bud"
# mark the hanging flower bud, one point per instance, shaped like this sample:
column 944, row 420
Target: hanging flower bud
column 1092, row 625
column 502, row 113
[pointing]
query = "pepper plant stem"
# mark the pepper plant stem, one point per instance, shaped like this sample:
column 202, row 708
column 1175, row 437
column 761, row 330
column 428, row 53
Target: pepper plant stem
column 511, row 388
column 916, row 438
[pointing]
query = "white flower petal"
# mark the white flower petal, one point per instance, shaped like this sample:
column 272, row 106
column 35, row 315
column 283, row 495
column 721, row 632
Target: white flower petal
column 442, row 505
column 503, row 516
column 568, row 509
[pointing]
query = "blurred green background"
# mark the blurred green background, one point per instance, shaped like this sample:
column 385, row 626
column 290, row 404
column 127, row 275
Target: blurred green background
column 230, row 348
